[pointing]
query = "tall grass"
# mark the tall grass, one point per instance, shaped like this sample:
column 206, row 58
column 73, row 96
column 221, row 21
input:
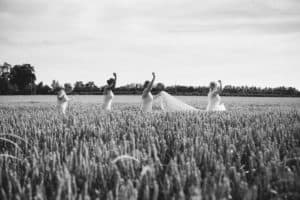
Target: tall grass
column 246, row 153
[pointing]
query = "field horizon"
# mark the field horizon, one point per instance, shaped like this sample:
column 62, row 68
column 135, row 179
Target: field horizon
column 249, row 152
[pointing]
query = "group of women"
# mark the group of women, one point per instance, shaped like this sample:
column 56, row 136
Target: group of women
column 166, row 101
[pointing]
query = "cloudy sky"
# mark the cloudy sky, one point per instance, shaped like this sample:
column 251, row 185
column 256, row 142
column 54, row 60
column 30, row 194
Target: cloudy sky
column 253, row 42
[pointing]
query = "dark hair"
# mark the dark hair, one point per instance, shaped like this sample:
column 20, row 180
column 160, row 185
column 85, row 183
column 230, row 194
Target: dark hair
column 59, row 89
column 160, row 86
column 212, row 84
column 146, row 83
column 110, row 81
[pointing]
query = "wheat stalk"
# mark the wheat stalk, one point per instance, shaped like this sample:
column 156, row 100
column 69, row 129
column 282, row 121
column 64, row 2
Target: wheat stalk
column 124, row 157
column 9, row 156
column 14, row 136
column 11, row 142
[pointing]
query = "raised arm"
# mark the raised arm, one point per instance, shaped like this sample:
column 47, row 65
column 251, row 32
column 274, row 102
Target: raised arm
column 114, row 84
column 218, row 89
column 149, row 87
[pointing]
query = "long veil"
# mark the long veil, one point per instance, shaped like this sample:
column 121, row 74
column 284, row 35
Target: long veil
column 170, row 104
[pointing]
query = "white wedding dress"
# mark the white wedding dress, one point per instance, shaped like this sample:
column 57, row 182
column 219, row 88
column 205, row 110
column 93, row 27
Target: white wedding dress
column 169, row 103
column 214, row 103
column 62, row 102
column 108, row 100
column 147, row 103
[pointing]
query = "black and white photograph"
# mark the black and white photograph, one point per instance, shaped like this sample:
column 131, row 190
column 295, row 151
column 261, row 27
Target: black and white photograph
column 149, row 100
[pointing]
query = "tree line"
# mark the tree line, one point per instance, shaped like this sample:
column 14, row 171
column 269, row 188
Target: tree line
column 21, row 80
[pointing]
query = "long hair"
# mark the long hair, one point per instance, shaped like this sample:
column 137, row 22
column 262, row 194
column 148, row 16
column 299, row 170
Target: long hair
column 146, row 83
column 212, row 85
column 110, row 81
column 160, row 87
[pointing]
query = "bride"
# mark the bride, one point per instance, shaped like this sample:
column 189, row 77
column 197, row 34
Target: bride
column 214, row 99
column 62, row 100
column 108, row 92
column 147, row 96
column 169, row 103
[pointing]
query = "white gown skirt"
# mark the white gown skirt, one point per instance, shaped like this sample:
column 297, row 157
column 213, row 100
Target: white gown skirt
column 107, row 105
column 216, row 107
column 169, row 103
column 62, row 106
column 220, row 107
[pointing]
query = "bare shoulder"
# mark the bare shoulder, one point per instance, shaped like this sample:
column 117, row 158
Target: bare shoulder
column 213, row 93
column 145, row 94
column 105, row 89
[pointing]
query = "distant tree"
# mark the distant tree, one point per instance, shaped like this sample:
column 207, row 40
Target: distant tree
column 55, row 85
column 42, row 89
column 91, row 87
column 39, row 87
column 86, row 88
column 291, row 91
column 79, row 86
column 5, row 70
column 4, row 85
column 23, row 76
column 20, row 79
column 5, row 78
column 90, row 84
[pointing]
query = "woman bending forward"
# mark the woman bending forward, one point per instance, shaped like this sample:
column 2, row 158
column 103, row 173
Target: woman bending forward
column 214, row 99
column 108, row 92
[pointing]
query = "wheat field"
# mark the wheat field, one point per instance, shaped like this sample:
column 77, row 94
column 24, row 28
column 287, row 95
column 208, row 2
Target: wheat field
column 251, row 151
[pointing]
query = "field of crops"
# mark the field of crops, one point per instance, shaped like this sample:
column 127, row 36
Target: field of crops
column 250, row 152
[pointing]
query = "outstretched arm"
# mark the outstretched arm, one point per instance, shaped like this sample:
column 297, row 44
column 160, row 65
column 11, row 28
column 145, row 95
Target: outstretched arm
column 114, row 84
column 219, row 89
column 149, row 87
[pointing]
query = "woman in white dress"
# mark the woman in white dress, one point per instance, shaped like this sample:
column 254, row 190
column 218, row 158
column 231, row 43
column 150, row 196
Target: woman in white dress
column 147, row 97
column 168, row 103
column 62, row 101
column 214, row 99
column 108, row 92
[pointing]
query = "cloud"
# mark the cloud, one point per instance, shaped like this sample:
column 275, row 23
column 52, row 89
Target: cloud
column 71, row 22
column 123, row 35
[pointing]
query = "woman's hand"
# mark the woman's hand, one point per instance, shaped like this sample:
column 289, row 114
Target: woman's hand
column 220, row 89
column 115, row 75
column 150, row 85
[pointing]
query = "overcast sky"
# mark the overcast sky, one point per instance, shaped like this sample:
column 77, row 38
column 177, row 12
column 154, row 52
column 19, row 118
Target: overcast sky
column 191, row 42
